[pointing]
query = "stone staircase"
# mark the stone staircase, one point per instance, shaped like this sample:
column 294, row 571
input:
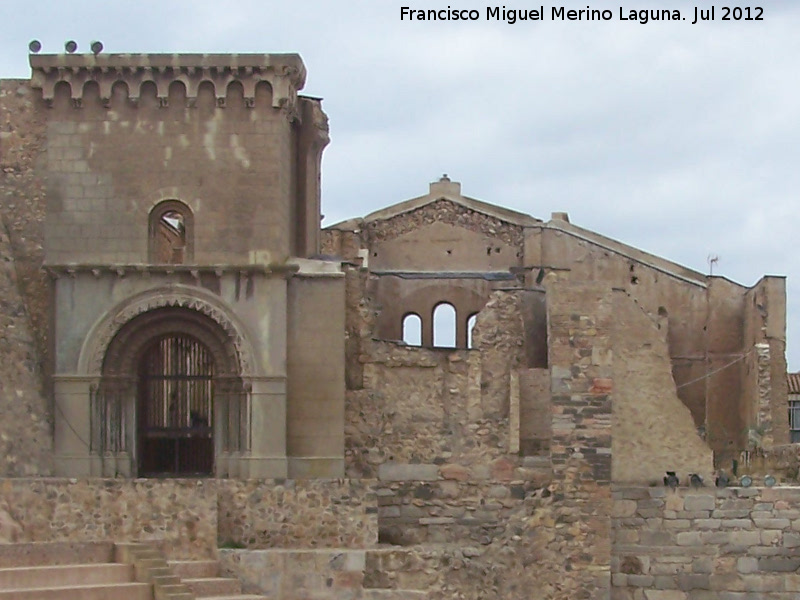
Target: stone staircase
column 102, row 571
column 203, row 580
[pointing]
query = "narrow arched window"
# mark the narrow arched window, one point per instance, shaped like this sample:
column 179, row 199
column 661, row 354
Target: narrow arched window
column 170, row 233
column 412, row 330
column 444, row 325
column 470, row 326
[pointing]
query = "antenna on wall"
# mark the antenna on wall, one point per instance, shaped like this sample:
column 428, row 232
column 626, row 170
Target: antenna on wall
column 712, row 260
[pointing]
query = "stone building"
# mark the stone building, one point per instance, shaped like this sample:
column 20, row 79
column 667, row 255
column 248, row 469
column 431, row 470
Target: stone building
column 447, row 249
column 182, row 206
column 183, row 345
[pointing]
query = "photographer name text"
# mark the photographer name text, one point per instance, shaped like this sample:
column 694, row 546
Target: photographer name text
column 695, row 16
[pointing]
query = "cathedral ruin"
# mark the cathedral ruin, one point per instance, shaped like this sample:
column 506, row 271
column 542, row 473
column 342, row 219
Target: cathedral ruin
column 185, row 344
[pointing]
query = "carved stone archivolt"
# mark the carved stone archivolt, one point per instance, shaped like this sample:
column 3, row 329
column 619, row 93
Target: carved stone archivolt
column 229, row 340
column 444, row 211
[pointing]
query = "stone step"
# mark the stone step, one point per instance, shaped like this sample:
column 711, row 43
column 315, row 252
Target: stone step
column 195, row 568
column 203, row 587
column 117, row 591
column 391, row 594
column 238, row 597
column 64, row 575
column 34, row 554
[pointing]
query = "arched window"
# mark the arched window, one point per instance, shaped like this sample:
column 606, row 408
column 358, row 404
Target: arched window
column 412, row 330
column 170, row 232
column 444, row 326
column 470, row 325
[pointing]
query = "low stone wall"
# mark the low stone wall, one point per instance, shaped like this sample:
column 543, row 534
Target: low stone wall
column 315, row 513
column 732, row 544
column 297, row 574
column 189, row 518
column 180, row 514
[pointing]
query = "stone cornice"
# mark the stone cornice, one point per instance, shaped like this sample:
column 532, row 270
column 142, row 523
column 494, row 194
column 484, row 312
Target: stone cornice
column 121, row 270
column 285, row 73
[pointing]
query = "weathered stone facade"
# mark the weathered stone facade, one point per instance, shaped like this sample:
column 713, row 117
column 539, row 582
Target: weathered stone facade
column 164, row 210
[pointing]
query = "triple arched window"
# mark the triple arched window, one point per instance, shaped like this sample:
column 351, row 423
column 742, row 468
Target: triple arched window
column 445, row 327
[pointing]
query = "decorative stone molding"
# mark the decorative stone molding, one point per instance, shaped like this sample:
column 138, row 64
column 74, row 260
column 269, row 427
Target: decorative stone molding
column 764, row 426
column 285, row 74
column 444, row 211
column 97, row 342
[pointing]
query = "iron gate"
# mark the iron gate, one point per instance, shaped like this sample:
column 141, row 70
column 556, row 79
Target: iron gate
column 175, row 416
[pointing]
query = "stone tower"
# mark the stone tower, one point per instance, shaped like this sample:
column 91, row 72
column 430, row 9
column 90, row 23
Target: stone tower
column 183, row 208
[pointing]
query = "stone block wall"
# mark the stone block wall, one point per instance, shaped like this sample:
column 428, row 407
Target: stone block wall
column 454, row 504
column 731, row 544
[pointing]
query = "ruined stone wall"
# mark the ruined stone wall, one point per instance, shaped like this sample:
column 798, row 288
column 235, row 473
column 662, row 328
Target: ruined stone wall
column 320, row 513
column 417, row 405
column 732, row 543
column 499, row 335
column 24, row 290
column 438, row 406
column 653, row 431
column 764, row 389
column 580, row 330
column 704, row 326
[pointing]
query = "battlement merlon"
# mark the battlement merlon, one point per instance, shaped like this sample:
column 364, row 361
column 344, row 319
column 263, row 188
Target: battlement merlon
column 285, row 73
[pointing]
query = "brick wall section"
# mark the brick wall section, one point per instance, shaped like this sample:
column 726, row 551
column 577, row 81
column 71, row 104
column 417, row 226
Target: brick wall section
column 580, row 322
column 730, row 544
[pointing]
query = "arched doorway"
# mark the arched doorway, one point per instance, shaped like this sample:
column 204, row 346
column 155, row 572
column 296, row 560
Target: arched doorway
column 175, row 416
column 171, row 396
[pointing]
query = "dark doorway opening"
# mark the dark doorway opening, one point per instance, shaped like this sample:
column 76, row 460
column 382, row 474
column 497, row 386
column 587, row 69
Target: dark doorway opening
column 175, row 408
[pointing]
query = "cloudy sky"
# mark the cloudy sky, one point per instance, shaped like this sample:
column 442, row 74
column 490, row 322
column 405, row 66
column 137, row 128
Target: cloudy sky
column 680, row 139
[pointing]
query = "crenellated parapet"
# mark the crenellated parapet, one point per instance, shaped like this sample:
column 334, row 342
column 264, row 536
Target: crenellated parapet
column 139, row 75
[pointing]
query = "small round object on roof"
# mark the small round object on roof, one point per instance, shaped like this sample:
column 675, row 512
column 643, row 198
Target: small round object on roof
column 746, row 481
